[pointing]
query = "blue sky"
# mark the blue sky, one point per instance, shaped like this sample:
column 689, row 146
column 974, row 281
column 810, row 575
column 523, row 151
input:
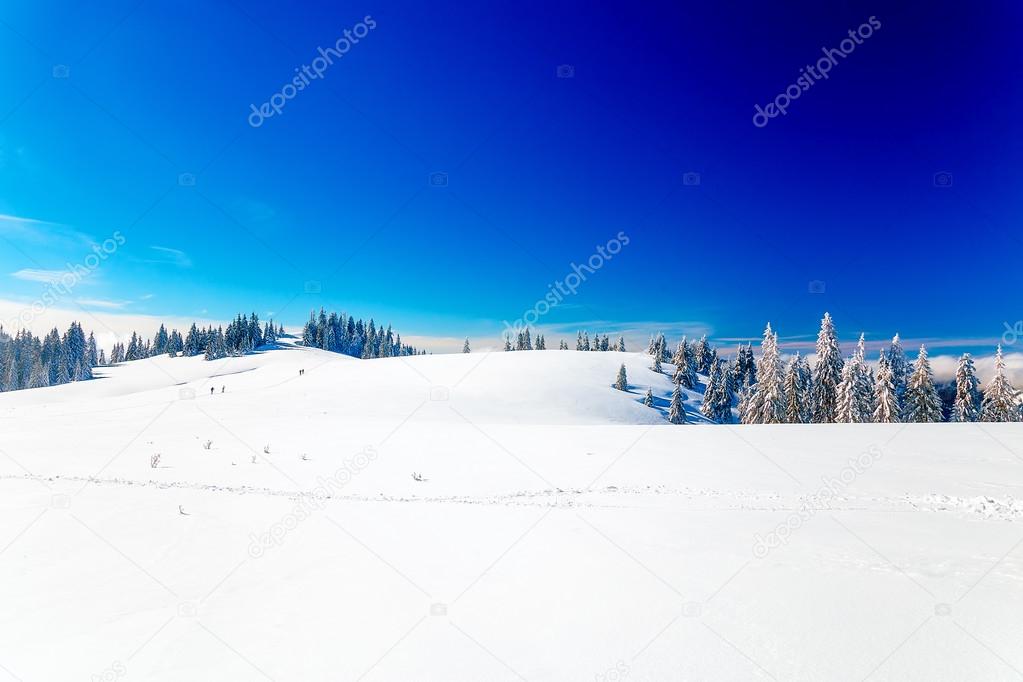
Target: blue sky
column 109, row 111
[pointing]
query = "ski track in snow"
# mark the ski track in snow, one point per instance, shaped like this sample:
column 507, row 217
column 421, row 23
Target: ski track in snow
column 1008, row 509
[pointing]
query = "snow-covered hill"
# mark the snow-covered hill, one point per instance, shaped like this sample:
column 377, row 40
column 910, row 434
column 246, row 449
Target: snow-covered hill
column 560, row 530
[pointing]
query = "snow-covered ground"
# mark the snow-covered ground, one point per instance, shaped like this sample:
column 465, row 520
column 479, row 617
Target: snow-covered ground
column 561, row 530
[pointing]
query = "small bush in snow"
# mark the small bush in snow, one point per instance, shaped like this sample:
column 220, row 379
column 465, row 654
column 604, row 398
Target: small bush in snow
column 207, row 445
column 154, row 461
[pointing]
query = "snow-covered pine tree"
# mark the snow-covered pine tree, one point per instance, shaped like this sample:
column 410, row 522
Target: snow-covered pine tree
column 766, row 405
column 622, row 382
column 701, row 355
column 541, row 342
column 795, row 400
column 563, row 345
column 717, row 399
column 1001, row 402
column 886, row 403
column 465, row 346
column 676, row 410
column 966, row 407
column 507, row 344
column 900, row 367
column 579, row 341
column 620, row 346
column 827, row 373
column 648, row 399
column 657, row 363
column 845, row 403
column 862, row 386
column 920, row 403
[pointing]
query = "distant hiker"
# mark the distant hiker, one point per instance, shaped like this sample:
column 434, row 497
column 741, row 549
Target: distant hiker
column 301, row 372
column 223, row 388
column 211, row 390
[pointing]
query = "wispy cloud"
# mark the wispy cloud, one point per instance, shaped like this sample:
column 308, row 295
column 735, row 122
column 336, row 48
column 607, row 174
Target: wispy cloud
column 42, row 232
column 101, row 303
column 36, row 275
column 165, row 254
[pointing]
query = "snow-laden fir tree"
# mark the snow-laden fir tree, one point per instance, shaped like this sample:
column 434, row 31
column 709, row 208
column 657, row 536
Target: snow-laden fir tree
column 1001, row 402
column 676, row 410
column 465, row 346
column 966, row 407
column 685, row 370
column 579, row 341
column 717, row 399
column 507, row 345
column 920, row 403
column 701, row 355
column 648, row 399
column 766, row 404
column 864, row 383
column 622, row 382
column 845, row 404
column 797, row 398
column 900, row 366
column 827, row 373
column 563, row 345
column 620, row 346
column 541, row 342
column 657, row 363
column 886, row 403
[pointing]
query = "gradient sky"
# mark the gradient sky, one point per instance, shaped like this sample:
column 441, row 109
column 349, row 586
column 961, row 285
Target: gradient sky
column 105, row 105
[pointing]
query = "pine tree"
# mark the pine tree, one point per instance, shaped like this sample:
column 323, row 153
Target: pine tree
column 766, row 405
column 648, row 399
column 677, row 411
column 845, row 403
column 900, row 366
column 886, row 403
column 465, row 346
column 827, row 373
column 920, row 402
column 622, row 382
column 620, row 346
column 657, row 363
column 967, row 401
column 795, row 398
column 717, row 399
column 1001, row 403
column 507, row 344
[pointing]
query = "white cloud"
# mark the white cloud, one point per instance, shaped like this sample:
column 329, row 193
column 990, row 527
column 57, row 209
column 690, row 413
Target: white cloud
column 36, row 275
column 166, row 254
column 100, row 303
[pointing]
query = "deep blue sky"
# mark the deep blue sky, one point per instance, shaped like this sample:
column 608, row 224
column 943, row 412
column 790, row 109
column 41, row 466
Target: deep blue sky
column 541, row 169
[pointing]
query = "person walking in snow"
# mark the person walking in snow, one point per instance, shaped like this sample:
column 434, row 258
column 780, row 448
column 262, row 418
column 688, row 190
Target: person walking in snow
column 211, row 390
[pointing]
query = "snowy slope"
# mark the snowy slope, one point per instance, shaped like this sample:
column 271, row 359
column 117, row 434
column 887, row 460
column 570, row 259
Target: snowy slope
column 562, row 531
